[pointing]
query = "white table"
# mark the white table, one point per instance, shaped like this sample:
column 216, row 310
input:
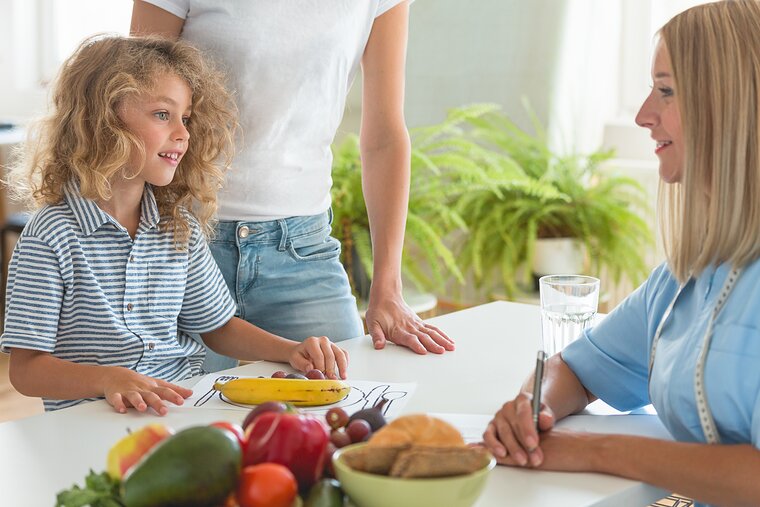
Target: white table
column 496, row 346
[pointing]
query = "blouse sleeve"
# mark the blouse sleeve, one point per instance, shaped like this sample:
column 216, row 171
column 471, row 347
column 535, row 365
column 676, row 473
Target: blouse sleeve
column 384, row 6
column 179, row 8
column 34, row 297
column 612, row 359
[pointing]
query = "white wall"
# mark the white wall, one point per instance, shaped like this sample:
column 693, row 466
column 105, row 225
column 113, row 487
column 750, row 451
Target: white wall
column 36, row 35
column 462, row 52
column 20, row 95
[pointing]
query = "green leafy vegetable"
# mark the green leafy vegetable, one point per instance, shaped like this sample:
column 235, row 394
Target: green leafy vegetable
column 100, row 490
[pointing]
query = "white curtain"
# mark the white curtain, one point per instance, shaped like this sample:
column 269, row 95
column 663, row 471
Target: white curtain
column 585, row 93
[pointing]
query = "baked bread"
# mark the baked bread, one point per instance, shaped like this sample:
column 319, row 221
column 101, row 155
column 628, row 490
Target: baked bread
column 438, row 461
column 417, row 446
column 417, row 429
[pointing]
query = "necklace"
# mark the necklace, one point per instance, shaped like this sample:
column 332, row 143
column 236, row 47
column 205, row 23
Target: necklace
column 705, row 415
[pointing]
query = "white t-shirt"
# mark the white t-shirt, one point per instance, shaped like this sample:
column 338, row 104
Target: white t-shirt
column 290, row 64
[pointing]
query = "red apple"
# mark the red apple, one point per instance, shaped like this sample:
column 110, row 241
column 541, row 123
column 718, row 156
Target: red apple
column 128, row 451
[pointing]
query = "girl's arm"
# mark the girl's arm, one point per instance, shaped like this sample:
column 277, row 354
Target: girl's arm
column 37, row 373
column 385, row 154
column 242, row 340
column 512, row 437
column 723, row 475
column 147, row 19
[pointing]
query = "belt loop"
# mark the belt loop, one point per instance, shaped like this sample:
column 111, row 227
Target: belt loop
column 284, row 239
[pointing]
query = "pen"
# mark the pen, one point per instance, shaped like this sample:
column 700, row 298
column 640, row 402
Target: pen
column 539, row 376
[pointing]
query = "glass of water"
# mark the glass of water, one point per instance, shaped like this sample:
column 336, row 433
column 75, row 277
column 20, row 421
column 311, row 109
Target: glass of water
column 568, row 306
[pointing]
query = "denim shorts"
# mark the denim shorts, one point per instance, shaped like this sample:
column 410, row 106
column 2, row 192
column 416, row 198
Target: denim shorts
column 286, row 277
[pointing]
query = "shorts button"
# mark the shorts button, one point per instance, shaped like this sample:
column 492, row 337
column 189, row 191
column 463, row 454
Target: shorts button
column 243, row 231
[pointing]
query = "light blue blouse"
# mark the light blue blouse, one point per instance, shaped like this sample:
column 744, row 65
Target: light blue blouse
column 612, row 358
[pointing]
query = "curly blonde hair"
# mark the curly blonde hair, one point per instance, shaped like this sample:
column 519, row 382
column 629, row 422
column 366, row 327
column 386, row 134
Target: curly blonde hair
column 83, row 139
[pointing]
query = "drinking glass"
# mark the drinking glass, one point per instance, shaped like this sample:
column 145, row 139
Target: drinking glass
column 568, row 306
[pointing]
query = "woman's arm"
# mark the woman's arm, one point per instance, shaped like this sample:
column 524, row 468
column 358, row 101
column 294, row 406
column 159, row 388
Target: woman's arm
column 147, row 19
column 512, row 437
column 723, row 475
column 385, row 153
column 37, row 373
column 242, row 340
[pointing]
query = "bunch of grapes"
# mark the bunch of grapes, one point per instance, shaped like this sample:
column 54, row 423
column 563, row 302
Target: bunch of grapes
column 344, row 432
column 311, row 375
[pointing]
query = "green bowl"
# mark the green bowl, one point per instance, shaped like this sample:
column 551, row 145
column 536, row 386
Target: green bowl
column 370, row 490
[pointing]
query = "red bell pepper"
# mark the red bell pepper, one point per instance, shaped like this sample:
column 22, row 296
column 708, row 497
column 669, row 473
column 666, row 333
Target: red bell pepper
column 295, row 440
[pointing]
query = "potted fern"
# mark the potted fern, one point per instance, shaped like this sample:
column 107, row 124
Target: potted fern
column 445, row 163
column 483, row 193
column 545, row 195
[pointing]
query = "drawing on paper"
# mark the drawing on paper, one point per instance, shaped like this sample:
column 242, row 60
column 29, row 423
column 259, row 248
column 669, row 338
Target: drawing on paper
column 363, row 394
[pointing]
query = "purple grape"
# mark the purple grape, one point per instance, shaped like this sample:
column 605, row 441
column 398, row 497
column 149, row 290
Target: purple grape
column 340, row 438
column 336, row 418
column 358, row 430
column 315, row 375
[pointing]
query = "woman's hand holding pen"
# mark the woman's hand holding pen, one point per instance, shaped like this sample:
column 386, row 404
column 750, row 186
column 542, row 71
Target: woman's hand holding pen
column 511, row 435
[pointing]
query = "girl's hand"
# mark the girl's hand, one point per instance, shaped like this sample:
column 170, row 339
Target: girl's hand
column 511, row 435
column 124, row 388
column 321, row 354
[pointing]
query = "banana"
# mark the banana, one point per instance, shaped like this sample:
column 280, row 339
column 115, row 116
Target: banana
column 301, row 393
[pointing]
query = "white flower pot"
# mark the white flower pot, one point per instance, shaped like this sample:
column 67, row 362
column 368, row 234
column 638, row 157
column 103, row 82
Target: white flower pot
column 554, row 256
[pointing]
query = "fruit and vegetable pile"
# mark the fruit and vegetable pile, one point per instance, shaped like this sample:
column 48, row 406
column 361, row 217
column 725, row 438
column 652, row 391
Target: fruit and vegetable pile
column 278, row 457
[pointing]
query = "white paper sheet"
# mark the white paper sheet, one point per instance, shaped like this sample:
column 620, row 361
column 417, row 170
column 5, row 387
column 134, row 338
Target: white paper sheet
column 364, row 394
column 472, row 426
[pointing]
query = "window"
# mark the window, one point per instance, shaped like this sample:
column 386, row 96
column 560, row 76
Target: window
column 37, row 35
column 640, row 22
column 44, row 32
column 67, row 23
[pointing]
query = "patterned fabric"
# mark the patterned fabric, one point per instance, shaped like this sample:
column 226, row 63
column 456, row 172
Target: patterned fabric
column 81, row 289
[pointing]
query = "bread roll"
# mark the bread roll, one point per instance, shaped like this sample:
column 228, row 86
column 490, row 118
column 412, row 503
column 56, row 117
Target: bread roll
column 417, row 429
column 417, row 446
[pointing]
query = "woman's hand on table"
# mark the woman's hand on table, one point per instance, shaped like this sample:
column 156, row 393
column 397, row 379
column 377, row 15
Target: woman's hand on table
column 391, row 319
column 321, row 354
column 511, row 435
column 124, row 388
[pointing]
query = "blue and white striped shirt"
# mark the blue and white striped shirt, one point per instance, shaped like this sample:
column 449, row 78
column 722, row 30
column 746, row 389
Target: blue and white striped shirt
column 82, row 290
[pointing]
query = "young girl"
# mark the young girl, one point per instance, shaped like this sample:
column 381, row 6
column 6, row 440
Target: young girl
column 111, row 275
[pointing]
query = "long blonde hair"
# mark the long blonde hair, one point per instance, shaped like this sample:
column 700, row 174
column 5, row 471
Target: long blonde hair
column 713, row 215
column 83, row 139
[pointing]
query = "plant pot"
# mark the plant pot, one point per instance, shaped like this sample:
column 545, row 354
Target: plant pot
column 554, row 256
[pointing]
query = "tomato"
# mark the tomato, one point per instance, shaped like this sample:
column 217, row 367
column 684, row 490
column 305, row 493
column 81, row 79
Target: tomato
column 266, row 485
column 233, row 428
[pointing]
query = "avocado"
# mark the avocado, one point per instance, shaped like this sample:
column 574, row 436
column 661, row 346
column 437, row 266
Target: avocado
column 325, row 493
column 198, row 466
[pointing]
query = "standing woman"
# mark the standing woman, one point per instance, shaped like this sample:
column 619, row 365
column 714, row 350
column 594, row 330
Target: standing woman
column 688, row 339
column 291, row 64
